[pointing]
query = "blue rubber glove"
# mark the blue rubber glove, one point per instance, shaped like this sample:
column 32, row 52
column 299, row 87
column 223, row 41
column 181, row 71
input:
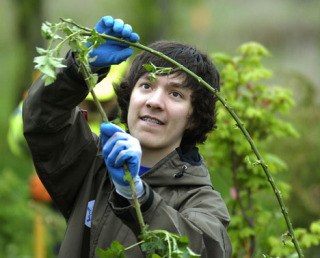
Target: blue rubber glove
column 120, row 148
column 113, row 52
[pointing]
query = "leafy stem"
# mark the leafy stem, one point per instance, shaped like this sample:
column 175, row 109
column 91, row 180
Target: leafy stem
column 59, row 45
column 90, row 84
column 136, row 203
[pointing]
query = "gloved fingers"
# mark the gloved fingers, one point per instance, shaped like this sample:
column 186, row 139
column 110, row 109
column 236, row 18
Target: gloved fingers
column 108, row 21
column 118, row 178
column 118, row 26
column 131, row 154
column 114, row 145
column 108, row 129
column 122, row 149
column 130, row 157
column 134, row 37
column 113, row 155
column 112, row 52
column 105, row 24
column 126, row 31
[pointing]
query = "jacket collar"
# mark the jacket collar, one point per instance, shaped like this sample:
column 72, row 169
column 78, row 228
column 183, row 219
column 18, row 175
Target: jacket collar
column 179, row 168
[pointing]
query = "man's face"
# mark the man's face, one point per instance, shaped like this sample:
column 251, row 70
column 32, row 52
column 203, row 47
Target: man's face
column 159, row 112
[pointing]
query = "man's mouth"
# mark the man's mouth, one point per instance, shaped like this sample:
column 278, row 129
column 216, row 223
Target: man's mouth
column 152, row 120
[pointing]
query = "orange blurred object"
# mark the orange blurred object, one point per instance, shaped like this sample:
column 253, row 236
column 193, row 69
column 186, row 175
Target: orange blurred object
column 38, row 191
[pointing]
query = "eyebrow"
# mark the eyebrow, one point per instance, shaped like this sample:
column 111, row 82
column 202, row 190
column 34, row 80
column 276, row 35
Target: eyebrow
column 178, row 84
column 181, row 84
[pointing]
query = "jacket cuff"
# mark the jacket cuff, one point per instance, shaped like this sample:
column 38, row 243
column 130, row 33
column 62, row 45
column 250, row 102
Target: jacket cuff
column 124, row 208
column 120, row 203
column 73, row 69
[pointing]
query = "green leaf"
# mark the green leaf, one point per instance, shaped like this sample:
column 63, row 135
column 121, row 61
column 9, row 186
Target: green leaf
column 255, row 75
column 42, row 51
column 116, row 250
column 47, row 65
column 56, row 62
column 315, row 227
column 152, row 76
column 183, row 240
column 74, row 45
column 95, row 39
column 154, row 244
column 285, row 238
column 246, row 232
column 309, row 240
column 253, row 48
column 150, row 67
column 46, row 30
column 221, row 58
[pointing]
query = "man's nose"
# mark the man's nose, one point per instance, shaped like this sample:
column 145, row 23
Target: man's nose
column 156, row 99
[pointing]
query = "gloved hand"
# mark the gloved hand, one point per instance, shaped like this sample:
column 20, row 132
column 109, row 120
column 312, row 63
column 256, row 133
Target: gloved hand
column 120, row 148
column 113, row 52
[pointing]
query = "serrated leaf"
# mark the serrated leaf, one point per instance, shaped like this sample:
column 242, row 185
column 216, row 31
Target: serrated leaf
column 56, row 62
column 183, row 240
column 48, row 80
column 152, row 76
column 46, row 30
column 67, row 31
column 149, row 67
column 116, row 250
column 47, row 65
column 41, row 51
column 154, row 244
column 73, row 44
column 95, row 39
column 40, row 60
column 43, row 65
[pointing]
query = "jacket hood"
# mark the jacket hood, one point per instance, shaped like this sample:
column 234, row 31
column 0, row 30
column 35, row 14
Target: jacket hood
column 179, row 169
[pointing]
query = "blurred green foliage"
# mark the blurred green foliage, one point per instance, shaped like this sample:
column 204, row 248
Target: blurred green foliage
column 15, row 215
column 257, row 223
column 290, row 30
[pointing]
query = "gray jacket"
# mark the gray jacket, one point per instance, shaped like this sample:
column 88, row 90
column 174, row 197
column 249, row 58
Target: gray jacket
column 179, row 196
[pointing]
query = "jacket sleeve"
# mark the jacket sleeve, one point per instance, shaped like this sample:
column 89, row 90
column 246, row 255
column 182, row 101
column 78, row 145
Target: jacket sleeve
column 58, row 136
column 202, row 217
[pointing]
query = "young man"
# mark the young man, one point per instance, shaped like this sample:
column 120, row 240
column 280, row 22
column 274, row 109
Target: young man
column 165, row 118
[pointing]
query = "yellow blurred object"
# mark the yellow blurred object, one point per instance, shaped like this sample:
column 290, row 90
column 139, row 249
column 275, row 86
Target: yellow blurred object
column 39, row 234
column 104, row 89
column 15, row 138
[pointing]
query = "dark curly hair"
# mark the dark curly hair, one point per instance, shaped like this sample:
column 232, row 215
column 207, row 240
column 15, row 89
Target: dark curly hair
column 203, row 118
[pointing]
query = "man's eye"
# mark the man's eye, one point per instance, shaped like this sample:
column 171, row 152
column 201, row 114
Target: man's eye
column 176, row 94
column 145, row 86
